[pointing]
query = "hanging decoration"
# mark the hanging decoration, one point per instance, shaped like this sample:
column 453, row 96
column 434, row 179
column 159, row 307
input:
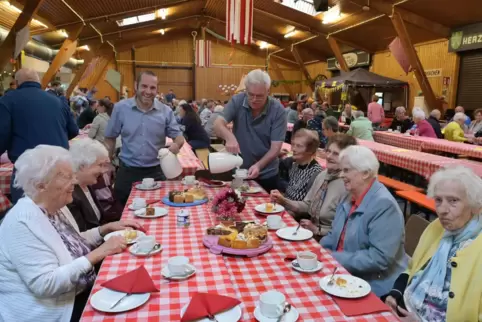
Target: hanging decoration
column 203, row 53
column 239, row 21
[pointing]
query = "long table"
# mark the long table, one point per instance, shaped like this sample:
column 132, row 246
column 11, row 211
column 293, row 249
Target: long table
column 243, row 278
column 420, row 143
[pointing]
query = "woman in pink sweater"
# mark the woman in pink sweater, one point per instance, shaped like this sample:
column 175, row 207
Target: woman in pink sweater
column 424, row 128
column 376, row 114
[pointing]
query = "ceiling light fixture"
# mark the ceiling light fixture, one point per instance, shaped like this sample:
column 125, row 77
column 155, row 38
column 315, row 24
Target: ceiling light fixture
column 162, row 31
column 162, row 13
column 84, row 47
column 263, row 45
column 63, row 33
column 291, row 33
column 13, row 8
column 332, row 15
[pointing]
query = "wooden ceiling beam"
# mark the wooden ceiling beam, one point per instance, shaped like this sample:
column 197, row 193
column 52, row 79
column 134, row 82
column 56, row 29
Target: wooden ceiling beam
column 7, row 48
column 338, row 54
column 279, row 75
column 401, row 29
column 410, row 17
column 122, row 45
column 101, row 67
column 303, row 69
column 65, row 52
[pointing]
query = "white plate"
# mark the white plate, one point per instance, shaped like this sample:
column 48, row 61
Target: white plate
column 318, row 267
column 227, row 316
column 262, row 208
column 6, row 169
column 287, row 233
column 355, row 287
column 156, row 186
column 105, row 298
column 131, row 207
column 291, row 316
column 252, row 190
column 283, row 225
column 159, row 212
column 136, row 252
column 121, row 233
column 166, row 273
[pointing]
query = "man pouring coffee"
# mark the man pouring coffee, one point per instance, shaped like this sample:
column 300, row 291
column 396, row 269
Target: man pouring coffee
column 259, row 129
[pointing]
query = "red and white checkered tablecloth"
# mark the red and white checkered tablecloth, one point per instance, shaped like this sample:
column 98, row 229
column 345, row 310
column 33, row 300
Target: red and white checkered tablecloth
column 5, row 179
column 243, row 278
column 289, row 127
column 399, row 140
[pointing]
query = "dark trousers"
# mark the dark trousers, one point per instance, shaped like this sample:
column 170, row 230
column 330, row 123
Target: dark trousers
column 269, row 184
column 127, row 175
column 16, row 193
column 199, row 144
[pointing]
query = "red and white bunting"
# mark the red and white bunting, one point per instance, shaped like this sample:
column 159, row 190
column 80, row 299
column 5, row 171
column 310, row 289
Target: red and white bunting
column 203, row 53
column 239, row 21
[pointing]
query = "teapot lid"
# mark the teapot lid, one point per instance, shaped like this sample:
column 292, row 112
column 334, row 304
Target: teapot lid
column 162, row 153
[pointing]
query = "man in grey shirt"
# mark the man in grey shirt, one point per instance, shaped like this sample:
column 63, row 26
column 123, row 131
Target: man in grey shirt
column 143, row 124
column 259, row 129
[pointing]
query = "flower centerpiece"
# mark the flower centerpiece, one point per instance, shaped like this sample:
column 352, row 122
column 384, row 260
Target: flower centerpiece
column 227, row 204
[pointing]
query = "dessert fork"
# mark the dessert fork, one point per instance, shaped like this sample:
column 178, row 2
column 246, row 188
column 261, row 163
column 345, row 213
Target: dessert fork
column 332, row 278
column 296, row 231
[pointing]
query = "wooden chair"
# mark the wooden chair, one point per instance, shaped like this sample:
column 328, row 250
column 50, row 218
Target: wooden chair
column 417, row 198
column 413, row 231
column 397, row 185
column 203, row 155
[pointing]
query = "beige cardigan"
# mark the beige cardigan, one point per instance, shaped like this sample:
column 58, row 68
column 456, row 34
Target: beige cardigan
column 97, row 130
column 324, row 216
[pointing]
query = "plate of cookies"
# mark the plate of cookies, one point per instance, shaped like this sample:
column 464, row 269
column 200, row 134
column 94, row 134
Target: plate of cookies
column 151, row 212
column 244, row 238
column 186, row 198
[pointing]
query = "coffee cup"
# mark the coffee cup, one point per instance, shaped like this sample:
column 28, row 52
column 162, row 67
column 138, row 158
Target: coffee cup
column 138, row 203
column 390, row 130
column 274, row 221
column 241, row 173
column 146, row 243
column 307, row 260
column 148, row 182
column 189, row 179
column 178, row 265
column 271, row 304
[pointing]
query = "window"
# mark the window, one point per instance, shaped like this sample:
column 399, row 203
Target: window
column 305, row 6
column 136, row 19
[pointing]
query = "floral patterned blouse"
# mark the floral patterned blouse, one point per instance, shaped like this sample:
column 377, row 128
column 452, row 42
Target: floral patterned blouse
column 76, row 245
column 435, row 307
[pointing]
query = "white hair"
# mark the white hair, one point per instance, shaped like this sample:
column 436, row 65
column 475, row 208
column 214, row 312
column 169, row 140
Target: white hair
column 459, row 117
column 219, row 108
column 400, row 110
column 85, row 152
column 256, row 77
column 36, row 166
column 361, row 159
column 468, row 180
column 307, row 110
column 182, row 102
column 358, row 114
column 435, row 113
column 418, row 113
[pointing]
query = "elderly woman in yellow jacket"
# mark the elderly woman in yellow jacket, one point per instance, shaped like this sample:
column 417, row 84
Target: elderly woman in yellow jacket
column 443, row 281
column 454, row 130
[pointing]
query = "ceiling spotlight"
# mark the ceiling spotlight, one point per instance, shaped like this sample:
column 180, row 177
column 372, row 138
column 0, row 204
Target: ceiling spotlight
column 291, row 33
column 84, row 47
column 162, row 31
column 162, row 13
column 263, row 45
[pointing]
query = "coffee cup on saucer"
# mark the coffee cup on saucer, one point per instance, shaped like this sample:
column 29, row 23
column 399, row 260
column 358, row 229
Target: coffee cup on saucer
column 271, row 304
column 148, row 182
column 390, row 130
column 307, row 260
column 178, row 265
column 241, row 173
column 189, row 180
column 146, row 243
column 138, row 203
column 274, row 221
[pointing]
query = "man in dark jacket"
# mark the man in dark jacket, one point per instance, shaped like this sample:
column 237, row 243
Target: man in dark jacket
column 88, row 115
column 433, row 120
column 29, row 116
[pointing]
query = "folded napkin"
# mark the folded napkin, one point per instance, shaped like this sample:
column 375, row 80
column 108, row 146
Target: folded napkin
column 366, row 305
column 136, row 281
column 205, row 305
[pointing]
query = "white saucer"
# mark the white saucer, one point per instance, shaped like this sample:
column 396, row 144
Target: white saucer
column 156, row 186
column 136, row 252
column 121, row 233
column 283, row 225
column 291, row 316
column 287, row 233
column 104, row 299
column 165, row 272
column 158, row 212
column 261, row 208
column 189, row 184
column 131, row 207
column 318, row 267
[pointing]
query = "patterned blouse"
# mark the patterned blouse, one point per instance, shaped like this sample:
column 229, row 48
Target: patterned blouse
column 76, row 245
column 435, row 308
column 301, row 179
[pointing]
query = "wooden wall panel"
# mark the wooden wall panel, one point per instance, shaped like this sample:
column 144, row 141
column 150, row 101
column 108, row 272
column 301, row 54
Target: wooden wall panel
column 315, row 70
column 179, row 80
column 172, row 51
column 432, row 55
column 103, row 87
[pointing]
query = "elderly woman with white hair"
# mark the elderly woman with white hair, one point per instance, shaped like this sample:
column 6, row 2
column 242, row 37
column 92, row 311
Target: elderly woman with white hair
column 361, row 127
column 443, row 281
column 209, row 126
column 401, row 122
column 368, row 230
column 423, row 126
column 47, row 265
column 259, row 129
column 454, row 130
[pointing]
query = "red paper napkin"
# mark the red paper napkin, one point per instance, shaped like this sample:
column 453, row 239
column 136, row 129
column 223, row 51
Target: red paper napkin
column 136, row 281
column 366, row 305
column 204, row 305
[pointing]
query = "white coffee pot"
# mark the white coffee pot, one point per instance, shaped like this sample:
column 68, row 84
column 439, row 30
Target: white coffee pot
column 219, row 162
column 169, row 163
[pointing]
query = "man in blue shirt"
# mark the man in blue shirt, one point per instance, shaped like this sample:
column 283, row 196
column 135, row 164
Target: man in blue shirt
column 170, row 96
column 143, row 124
column 30, row 116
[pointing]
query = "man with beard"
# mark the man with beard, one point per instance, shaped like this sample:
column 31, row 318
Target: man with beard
column 143, row 124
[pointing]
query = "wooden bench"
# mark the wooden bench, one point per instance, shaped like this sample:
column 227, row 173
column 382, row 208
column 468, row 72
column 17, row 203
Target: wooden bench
column 397, row 185
column 417, row 198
